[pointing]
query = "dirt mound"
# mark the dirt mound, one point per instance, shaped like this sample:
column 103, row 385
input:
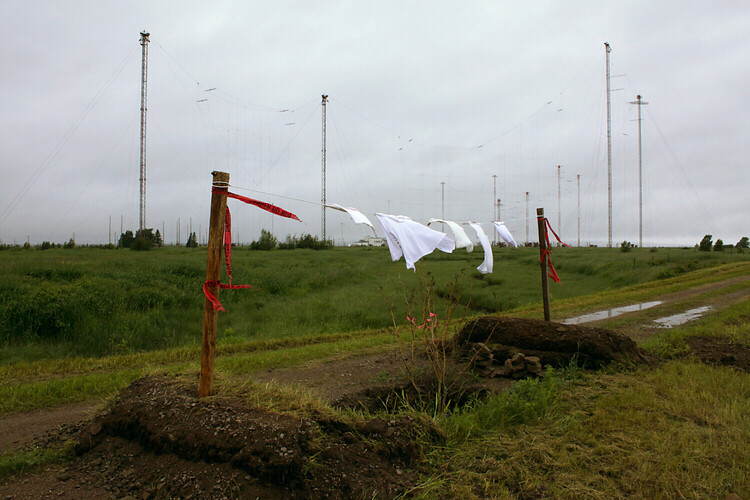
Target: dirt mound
column 159, row 440
column 553, row 343
column 720, row 351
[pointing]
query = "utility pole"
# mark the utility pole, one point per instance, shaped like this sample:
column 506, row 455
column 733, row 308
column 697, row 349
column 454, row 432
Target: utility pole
column 607, row 50
column 144, row 73
column 110, row 229
column 442, row 197
column 559, row 224
column 578, row 182
column 638, row 102
column 323, row 189
column 527, row 216
column 494, row 202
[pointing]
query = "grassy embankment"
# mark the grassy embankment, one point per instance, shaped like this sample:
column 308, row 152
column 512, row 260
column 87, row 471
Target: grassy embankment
column 89, row 302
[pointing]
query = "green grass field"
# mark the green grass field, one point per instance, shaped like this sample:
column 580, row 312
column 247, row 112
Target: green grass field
column 677, row 430
column 92, row 302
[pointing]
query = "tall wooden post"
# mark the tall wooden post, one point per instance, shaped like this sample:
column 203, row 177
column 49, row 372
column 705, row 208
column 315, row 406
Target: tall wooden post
column 543, row 261
column 213, row 269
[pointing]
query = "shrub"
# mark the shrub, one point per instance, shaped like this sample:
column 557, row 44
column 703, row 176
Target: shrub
column 305, row 241
column 719, row 246
column 705, row 244
column 626, row 246
column 267, row 241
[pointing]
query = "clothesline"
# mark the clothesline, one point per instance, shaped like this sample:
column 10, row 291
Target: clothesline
column 318, row 204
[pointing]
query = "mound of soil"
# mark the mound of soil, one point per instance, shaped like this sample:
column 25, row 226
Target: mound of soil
column 553, row 343
column 159, row 440
column 721, row 352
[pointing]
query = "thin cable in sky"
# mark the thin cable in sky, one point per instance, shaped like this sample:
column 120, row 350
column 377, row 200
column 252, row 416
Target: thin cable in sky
column 68, row 134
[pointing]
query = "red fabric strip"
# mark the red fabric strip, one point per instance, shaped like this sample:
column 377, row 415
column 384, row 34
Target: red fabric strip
column 260, row 204
column 547, row 251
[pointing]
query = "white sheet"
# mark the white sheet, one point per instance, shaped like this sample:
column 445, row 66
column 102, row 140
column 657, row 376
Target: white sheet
column 357, row 216
column 459, row 235
column 504, row 233
column 411, row 239
column 486, row 266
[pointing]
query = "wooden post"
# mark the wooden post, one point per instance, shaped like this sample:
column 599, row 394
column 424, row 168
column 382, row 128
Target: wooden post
column 213, row 270
column 543, row 261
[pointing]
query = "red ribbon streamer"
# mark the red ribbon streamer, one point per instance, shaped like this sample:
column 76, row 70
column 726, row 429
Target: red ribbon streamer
column 547, row 253
column 228, row 244
column 260, row 204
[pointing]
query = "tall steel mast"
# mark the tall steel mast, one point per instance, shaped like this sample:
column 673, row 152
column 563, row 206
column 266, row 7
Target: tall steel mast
column 608, row 49
column 323, row 187
column 144, row 75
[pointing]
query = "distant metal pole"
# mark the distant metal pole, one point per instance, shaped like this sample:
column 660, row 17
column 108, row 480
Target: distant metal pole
column 559, row 224
column 608, row 49
column 144, row 75
column 110, row 229
column 442, row 196
column 638, row 102
column 323, row 189
column 527, row 216
column 494, row 202
column 578, row 182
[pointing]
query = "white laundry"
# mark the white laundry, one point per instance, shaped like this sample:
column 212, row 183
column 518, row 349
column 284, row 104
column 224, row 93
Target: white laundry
column 486, row 266
column 412, row 239
column 462, row 241
column 504, row 233
column 357, row 216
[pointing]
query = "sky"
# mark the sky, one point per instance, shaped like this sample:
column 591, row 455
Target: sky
column 436, row 109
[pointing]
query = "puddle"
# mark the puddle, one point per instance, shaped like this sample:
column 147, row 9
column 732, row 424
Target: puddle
column 610, row 313
column 682, row 318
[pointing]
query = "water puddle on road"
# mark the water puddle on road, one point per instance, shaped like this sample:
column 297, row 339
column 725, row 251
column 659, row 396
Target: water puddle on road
column 610, row 313
column 682, row 318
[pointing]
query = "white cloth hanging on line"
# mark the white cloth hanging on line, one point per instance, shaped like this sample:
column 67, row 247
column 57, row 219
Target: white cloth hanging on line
column 504, row 233
column 486, row 266
column 357, row 216
column 412, row 239
column 459, row 235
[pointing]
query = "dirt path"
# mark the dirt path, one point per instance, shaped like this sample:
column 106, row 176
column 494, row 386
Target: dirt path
column 22, row 429
column 639, row 324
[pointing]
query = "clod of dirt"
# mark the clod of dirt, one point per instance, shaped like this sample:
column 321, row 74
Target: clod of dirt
column 224, row 447
column 552, row 343
column 720, row 351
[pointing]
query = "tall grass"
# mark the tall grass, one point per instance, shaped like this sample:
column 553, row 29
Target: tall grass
column 91, row 302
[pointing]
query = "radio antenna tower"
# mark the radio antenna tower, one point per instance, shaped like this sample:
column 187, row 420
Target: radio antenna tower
column 638, row 102
column 144, row 73
column 608, row 49
column 323, row 188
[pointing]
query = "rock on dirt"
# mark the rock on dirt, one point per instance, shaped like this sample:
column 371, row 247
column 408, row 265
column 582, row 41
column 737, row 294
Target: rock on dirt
column 552, row 343
column 159, row 440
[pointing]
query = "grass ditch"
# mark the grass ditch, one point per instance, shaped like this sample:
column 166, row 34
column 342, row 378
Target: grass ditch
column 662, row 433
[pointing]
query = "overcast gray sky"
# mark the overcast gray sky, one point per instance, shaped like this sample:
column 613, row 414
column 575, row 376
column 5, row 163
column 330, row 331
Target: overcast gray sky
column 421, row 92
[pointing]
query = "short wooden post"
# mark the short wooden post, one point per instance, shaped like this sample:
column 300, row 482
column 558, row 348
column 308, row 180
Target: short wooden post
column 543, row 261
column 213, row 270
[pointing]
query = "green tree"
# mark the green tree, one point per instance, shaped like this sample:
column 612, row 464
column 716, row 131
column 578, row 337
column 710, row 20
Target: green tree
column 719, row 246
column 158, row 242
column 626, row 246
column 192, row 241
column 706, row 243
column 743, row 243
column 126, row 239
column 70, row 244
column 267, row 241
